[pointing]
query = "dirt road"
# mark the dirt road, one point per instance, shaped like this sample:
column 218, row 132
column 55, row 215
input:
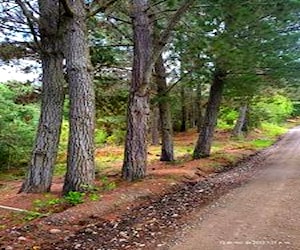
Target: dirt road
column 262, row 214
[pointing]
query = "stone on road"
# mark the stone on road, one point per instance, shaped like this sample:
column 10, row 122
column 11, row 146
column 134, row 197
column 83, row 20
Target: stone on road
column 262, row 214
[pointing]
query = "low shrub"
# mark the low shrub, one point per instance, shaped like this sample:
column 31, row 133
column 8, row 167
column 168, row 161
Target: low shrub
column 18, row 124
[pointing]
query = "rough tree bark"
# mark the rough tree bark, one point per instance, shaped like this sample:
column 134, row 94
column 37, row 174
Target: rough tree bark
column 145, row 55
column 155, row 121
column 80, row 160
column 39, row 176
column 203, row 145
column 191, row 109
column 167, row 149
column 199, row 118
column 154, row 116
column 183, row 110
column 135, row 154
column 238, row 128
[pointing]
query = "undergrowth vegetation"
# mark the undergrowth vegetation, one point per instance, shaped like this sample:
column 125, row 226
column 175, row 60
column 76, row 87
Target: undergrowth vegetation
column 17, row 125
column 19, row 120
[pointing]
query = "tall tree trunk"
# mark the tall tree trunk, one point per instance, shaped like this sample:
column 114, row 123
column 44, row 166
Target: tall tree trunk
column 167, row 150
column 155, row 121
column 39, row 176
column 145, row 55
column 191, row 117
column 238, row 128
column 183, row 109
column 80, row 160
column 154, row 115
column 199, row 118
column 204, row 142
column 135, row 154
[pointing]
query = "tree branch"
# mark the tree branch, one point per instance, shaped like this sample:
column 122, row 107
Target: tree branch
column 183, row 76
column 115, row 45
column 30, row 19
column 26, row 11
column 102, row 7
column 119, row 19
column 120, row 31
column 165, row 35
column 34, row 10
column 67, row 8
column 155, row 4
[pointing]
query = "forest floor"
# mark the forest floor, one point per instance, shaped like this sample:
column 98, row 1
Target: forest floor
column 140, row 215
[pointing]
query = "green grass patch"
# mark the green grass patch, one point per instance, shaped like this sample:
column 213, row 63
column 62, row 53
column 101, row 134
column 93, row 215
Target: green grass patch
column 29, row 216
column 108, row 185
column 94, row 197
column 217, row 146
column 180, row 150
column 272, row 130
column 225, row 157
column 222, row 125
column 12, row 174
column 74, row 198
column 216, row 166
column 60, row 169
column 261, row 143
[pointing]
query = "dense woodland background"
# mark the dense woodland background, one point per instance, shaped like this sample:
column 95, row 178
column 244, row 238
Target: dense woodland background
column 134, row 73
